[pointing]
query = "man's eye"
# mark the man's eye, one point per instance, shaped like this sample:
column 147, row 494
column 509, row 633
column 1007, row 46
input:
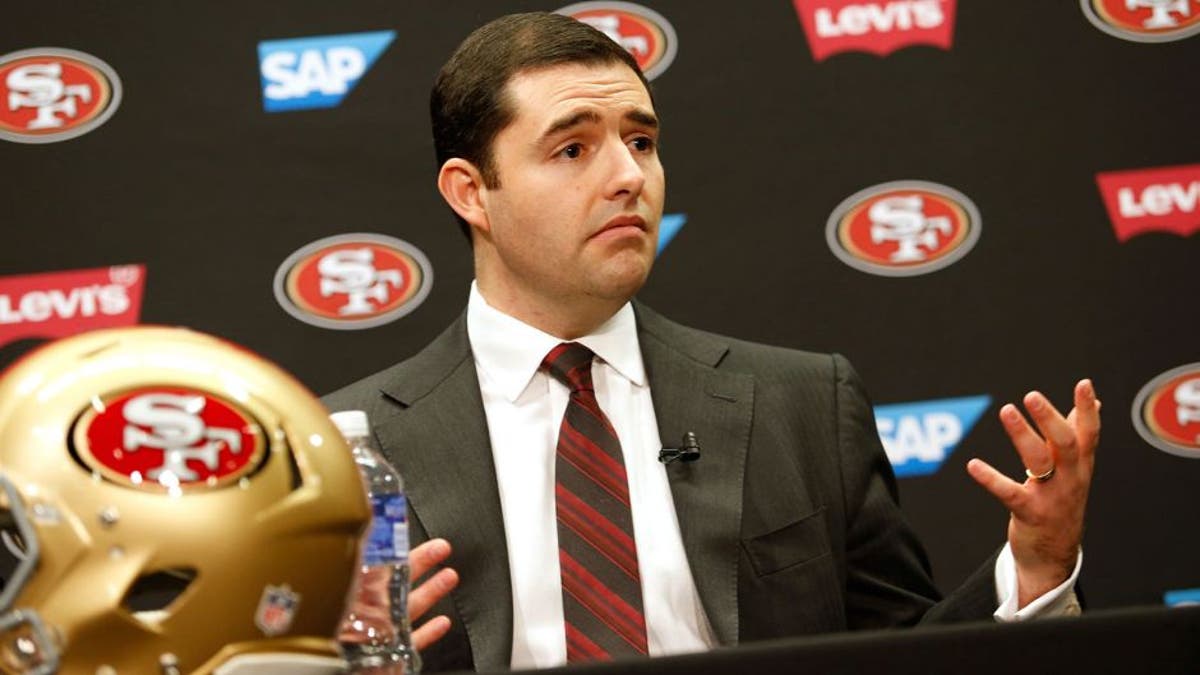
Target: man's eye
column 572, row 151
column 643, row 143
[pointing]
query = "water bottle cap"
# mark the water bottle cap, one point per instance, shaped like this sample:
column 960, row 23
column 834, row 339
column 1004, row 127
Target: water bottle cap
column 352, row 423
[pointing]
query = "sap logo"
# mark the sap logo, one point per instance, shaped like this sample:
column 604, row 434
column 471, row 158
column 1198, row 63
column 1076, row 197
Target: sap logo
column 668, row 227
column 918, row 437
column 1184, row 597
column 316, row 72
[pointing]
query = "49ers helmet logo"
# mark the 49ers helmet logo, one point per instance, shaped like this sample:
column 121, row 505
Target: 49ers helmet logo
column 1166, row 412
column 1144, row 20
column 903, row 228
column 168, row 438
column 645, row 33
column 353, row 281
column 49, row 95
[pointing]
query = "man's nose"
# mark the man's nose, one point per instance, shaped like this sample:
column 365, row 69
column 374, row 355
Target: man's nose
column 627, row 176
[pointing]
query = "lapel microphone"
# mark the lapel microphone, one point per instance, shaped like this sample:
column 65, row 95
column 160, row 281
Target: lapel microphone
column 688, row 451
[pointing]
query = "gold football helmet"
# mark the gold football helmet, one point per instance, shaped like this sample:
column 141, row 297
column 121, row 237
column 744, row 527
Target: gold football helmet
column 171, row 503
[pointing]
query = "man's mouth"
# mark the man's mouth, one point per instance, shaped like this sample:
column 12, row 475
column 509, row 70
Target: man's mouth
column 623, row 222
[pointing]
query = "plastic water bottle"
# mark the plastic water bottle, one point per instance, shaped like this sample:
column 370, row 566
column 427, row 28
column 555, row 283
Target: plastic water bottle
column 375, row 635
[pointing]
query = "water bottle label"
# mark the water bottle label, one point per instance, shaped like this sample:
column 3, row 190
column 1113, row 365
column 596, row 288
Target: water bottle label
column 387, row 542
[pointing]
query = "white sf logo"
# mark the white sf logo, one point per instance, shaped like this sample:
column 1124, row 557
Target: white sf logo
column 177, row 430
column 40, row 85
column 352, row 272
column 609, row 24
column 1161, row 11
column 1187, row 401
column 902, row 219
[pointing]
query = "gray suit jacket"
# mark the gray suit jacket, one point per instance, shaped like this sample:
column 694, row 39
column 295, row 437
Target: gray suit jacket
column 789, row 519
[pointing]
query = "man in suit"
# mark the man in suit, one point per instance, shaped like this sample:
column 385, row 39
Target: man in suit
column 547, row 134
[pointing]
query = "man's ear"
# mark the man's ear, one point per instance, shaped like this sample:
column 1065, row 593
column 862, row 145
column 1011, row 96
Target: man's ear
column 462, row 186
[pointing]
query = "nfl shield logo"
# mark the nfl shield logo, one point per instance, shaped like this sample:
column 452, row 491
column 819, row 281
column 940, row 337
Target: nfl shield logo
column 276, row 610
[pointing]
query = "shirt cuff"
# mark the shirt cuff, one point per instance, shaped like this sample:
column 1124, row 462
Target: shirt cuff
column 1060, row 601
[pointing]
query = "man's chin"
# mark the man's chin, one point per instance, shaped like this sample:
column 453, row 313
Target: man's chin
column 622, row 282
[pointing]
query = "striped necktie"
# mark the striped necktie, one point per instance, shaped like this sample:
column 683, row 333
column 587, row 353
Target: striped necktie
column 602, row 593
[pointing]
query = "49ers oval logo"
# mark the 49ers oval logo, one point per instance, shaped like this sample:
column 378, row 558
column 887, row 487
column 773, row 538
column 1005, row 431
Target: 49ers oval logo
column 1144, row 20
column 353, row 281
column 52, row 95
column 645, row 33
column 168, row 439
column 903, row 228
column 1166, row 412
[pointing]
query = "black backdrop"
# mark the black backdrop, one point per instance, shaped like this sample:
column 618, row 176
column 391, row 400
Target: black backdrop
column 193, row 179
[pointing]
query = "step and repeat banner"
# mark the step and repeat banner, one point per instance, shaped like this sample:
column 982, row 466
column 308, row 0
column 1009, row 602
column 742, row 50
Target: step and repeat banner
column 968, row 199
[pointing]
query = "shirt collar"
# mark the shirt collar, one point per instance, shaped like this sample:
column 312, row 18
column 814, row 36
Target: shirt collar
column 510, row 351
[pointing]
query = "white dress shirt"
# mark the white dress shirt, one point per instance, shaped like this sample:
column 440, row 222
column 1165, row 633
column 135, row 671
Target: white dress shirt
column 524, row 408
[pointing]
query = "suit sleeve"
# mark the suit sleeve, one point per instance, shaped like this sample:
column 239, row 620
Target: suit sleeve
column 888, row 576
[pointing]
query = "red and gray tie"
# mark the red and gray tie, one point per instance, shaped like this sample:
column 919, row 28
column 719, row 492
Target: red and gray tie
column 602, row 592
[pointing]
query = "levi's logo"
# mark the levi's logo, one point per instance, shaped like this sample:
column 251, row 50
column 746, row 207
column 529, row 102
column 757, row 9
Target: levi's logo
column 880, row 27
column 1164, row 199
column 58, row 304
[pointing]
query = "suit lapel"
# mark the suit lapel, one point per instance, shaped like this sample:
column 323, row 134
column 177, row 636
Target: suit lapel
column 439, row 440
column 691, row 394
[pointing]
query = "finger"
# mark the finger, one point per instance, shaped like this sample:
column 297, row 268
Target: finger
column 372, row 588
column 1033, row 451
column 376, row 616
column 1003, row 488
column 427, row 556
column 426, row 595
column 432, row 631
column 1087, row 416
column 373, row 579
column 1054, row 429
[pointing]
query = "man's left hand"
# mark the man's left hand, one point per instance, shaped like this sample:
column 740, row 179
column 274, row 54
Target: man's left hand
column 1047, row 509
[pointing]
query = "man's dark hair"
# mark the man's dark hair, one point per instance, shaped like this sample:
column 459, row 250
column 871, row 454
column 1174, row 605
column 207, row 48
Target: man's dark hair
column 469, row 103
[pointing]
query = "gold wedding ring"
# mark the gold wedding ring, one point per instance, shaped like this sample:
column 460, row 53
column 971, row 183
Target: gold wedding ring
column 1041, row 477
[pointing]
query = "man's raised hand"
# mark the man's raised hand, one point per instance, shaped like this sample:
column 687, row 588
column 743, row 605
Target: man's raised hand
column 1047, row 509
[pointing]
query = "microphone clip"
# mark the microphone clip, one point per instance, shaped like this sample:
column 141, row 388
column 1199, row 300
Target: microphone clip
column 689, row 450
